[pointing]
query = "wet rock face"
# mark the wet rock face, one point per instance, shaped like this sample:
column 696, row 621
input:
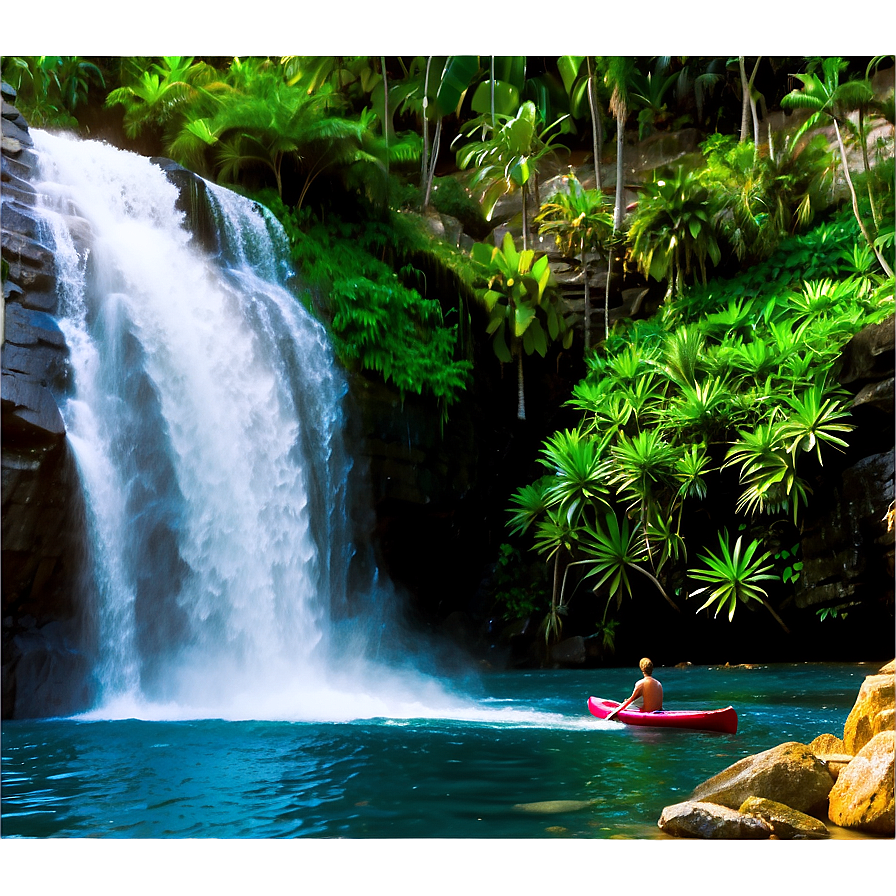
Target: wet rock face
column 43, row 632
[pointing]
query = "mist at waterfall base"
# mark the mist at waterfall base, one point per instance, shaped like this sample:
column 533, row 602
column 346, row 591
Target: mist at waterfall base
column 206, row 413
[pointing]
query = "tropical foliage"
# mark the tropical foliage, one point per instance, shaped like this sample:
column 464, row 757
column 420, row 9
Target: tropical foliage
column 718, row 414
column 523, row 307
column 580, row 222
column 722, row 381
column 50, row 89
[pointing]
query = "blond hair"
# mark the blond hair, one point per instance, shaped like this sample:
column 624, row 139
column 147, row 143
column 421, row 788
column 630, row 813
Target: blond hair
column 646, row 666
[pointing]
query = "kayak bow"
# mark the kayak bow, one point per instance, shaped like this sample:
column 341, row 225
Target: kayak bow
column 724, row 720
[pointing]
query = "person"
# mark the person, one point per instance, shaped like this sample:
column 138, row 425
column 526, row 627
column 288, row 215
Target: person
column 648, row 691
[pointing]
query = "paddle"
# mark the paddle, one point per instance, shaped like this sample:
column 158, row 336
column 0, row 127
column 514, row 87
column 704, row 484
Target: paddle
column 613, row 713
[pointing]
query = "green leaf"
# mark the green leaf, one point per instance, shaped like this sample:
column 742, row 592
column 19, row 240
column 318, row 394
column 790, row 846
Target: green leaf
column 523, row 317
column 569, row 67
column 507, row 98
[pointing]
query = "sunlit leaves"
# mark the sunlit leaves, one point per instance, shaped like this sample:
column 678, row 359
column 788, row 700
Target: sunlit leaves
column 529, row 504
column 767, row 471
column 672, row 233
column 733, row 575
column 640, row 464
column 578, row 483
column 524, row 310
column 815, row 418
column 614, row 549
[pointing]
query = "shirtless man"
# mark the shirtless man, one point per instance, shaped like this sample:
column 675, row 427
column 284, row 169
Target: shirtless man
column 648, row 689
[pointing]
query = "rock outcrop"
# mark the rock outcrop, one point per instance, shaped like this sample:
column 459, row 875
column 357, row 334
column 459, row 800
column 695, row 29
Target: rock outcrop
column 872, row 712
column 710, row 821
column 786, row 823
column 862, row 798
column 785, row 783
column 847, row 545
column 789, row 774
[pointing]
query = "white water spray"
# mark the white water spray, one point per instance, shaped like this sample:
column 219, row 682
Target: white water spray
column 206, row 417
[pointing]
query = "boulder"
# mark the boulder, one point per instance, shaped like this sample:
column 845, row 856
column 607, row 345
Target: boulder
column 869, row 354
column 709, row 821
column 872, row 711
column 826, row 745
column 789, row 774
column 863, row 795
column 830, row 750
column 787, row 823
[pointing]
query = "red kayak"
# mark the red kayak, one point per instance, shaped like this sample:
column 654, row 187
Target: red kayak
column 724, row 720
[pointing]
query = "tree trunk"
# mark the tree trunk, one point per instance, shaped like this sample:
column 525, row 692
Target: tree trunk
column 385, row 109
column 748, row 102
column 620, row 168
column 525, row 189
column 745, row 101
column 855, row 203
column 492, row 98
column 596, row 130
column 587, row 298
column 520, row 396
column 864, row 141
column 424, row 169
column 607, row 295
column 432, row 162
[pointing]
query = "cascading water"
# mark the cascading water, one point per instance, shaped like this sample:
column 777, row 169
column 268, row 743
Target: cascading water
column 205, row 414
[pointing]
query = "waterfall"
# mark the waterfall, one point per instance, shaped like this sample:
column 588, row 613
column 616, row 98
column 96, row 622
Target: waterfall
column 205, row 411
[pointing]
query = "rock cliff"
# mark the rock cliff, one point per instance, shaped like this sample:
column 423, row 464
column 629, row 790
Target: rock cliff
column 44, row 629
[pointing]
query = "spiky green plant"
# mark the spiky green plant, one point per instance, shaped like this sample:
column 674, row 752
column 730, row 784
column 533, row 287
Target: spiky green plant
column 672, row 234
column 614, row 550
column 734, row 575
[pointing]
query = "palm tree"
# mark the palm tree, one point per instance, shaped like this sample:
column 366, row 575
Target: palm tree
column 618, row 74
column 523, row 306
column 509, row 159
column 748, row 102
column 165, row 92
column 576, row 86
column 265, row 121
column 673, row 228
column 580, row 221
column 649, row 93
column 826, row 96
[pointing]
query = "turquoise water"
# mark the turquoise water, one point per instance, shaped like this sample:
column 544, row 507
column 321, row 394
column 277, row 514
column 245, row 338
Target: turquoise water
column 533, row 742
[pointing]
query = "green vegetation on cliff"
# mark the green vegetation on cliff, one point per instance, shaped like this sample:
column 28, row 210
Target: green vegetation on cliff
column 700, row 429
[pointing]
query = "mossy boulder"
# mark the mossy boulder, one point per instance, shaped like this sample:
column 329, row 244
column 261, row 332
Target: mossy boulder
column 790, row 774
column 863, row 796
column 787, row 823
column 710, row 821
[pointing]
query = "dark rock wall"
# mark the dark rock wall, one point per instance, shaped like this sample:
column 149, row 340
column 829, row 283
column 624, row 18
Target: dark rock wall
column 847, row 542
column 45, row 633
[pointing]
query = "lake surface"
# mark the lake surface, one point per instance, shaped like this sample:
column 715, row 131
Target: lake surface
column 532, row 742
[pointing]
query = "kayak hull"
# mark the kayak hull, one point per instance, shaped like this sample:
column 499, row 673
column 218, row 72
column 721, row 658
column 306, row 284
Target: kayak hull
column 723, row 720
